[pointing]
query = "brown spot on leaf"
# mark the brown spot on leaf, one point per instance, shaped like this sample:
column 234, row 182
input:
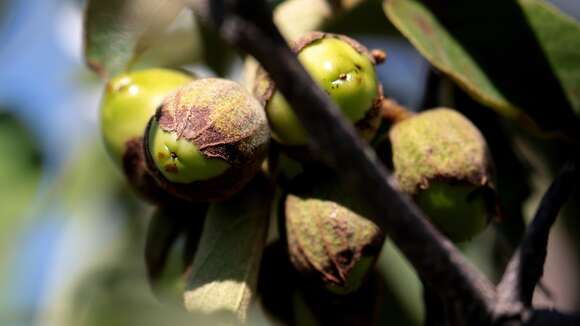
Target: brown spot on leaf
column 424, row 25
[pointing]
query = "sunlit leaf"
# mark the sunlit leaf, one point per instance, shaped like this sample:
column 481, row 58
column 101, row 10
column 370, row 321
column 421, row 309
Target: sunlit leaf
column 517, row 56
column 225, row 269
column 296, row 17
column 117, row 31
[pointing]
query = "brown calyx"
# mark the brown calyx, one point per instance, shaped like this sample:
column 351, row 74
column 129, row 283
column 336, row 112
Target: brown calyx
column 139, row 176
column 223, row 121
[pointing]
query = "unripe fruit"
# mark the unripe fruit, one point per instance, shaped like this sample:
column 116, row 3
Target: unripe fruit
column 207, row 140
column 129, row 101
column 442, row 160
column 329, row 238
column 344, row 69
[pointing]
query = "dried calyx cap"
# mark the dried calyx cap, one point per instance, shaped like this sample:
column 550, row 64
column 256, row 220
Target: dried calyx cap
column 344, row 69
column 129, row 101
column 329, row 238
column 207, row 140
column 442, row 160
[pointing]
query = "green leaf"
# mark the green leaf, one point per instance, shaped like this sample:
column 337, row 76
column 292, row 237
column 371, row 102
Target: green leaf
column 225, row 269
column 519, row 57
column 172, row 238
column 178, row 45
column 296, row 17
column 117, row 31
column 365, row 19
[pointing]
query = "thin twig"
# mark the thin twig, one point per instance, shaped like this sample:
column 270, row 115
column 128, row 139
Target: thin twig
column 526, row 266
column 250, row 28
column 393, row 111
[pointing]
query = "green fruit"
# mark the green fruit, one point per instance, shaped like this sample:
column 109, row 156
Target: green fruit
column 442, row 160
column 344, row 69
column 207, row 140
column 129, row 101
column 329, row 238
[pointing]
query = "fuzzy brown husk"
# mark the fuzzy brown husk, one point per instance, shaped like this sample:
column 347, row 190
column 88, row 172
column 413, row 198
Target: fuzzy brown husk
column 439, row 144
column 327, row 231
column 223, row 121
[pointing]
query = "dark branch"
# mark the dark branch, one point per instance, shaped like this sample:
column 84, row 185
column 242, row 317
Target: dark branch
column 434, row 307
column 550, row 317
column 248, row 25
column 526, row 266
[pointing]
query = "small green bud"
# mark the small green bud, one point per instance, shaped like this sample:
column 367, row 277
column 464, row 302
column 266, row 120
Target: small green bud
column 329, row 238
column 344, row 69
column 442, row 160
column 207, row 140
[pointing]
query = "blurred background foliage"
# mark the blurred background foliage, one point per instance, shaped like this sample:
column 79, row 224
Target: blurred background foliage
column 72, row 233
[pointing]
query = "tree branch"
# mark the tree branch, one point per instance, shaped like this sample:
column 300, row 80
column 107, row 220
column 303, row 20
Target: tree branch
column 248, row 25
column 527, row 264
column 550, row 317
column 393, row 111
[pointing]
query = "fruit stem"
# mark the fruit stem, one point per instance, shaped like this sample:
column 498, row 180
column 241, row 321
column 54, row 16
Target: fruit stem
column 393, row 111
column 379, row 56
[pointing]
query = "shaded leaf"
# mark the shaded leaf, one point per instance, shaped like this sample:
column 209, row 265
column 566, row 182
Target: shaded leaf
column 276, row 296
column 172, row 238
column 216, row 53
column 403, row 284
column 365, row 19
column 361, row 308
column 224, row 273
column 517, row 56
column 116, row 31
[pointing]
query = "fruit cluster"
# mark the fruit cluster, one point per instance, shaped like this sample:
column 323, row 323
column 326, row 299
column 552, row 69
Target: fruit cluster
column 183, row 139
